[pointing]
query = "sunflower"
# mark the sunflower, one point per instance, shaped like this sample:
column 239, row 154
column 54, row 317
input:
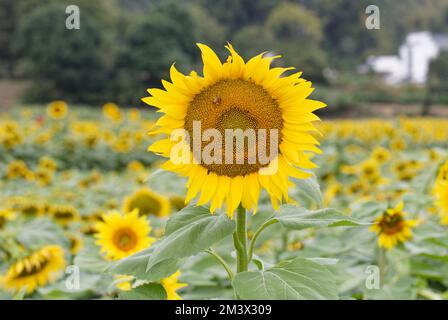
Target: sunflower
column 238, row 95
column 43, row 177
column 64, row 214
column 112, row 112
column 177, row 202
column 36, row 270
column 57, row 109
column 76, row 243
column 171, row 285
column 440, row 192
column 48, row 163
column 380, row 154
column 6, row 215
column 392, row 227
column 122, row 235
column 148, row 203
column 30, row 209
column 17, row 169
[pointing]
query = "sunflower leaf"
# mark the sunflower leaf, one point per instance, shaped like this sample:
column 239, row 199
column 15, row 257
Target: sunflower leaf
column 148, row 291
column 40, row 232
column 299, row 218
column 298, row 279
column 188, row 232
column 309, row 191
column 135, row 265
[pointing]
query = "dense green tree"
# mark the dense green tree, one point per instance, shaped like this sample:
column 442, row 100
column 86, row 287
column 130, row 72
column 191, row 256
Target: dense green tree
column 8, row 17
column 65, row 64
column 166, row 34
column 437, row 81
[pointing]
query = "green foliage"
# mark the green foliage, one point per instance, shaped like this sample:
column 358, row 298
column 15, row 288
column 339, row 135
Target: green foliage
column 148, row 291
column 290, row 280
column 68, row 64
column 164, row 35
column 8, row 16
column 190, row 231
column 297, row 218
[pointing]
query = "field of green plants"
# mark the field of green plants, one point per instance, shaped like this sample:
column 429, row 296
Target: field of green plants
column 87, row 213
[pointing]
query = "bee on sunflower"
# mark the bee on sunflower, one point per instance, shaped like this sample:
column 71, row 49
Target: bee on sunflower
column 237, row 95
column 36, row 270
column 392, row 227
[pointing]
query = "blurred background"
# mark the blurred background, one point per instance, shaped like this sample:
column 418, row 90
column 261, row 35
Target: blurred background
column 126, row 46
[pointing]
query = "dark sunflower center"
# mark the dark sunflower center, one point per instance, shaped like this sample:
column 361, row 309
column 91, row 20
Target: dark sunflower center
column 125, row 239
column 63, row 215
column 391, row 224
column 146, row 205
column 236, row 104
column 35, row 268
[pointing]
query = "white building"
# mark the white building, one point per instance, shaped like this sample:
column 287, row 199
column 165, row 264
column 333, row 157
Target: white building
column 412, row 62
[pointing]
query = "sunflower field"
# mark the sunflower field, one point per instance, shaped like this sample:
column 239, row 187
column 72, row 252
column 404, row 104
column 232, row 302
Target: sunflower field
column 93, row 204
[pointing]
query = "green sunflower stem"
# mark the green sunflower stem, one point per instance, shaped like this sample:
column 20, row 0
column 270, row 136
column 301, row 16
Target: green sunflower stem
column 382, row 264
column 240, row 240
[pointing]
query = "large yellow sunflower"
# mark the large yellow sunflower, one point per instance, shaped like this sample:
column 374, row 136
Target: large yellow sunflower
column 36, row 270
column 441, row 193
column 147, row 202
column 392, row 227
column 122, row 235
column 238, row 95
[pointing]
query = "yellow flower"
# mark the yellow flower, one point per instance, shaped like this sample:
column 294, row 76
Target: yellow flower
column 64, row 214
column 76, row 243
column 30, row 208
column 36, row 270
column 392, row 227
column 6, row 215
column 171, row 285
column 177, row 202
column 112, row 112
column 120, row 236
column 370, row 170
column 380, row 154
column 147, row 202
column 440, row 192
column 17, row 169
column 134, row 115
column 238, row 95
column 57, row 109
column 48, row 163
column 135, row 166
column 43, row 176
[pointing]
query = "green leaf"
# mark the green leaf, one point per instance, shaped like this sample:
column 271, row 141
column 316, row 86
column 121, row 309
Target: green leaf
column 40, row 232
column 135, row 265
column 298, row 279
column 299, row 218
column 148, row 291
column 89, row 258
column 188, row 232
column 309, row 191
